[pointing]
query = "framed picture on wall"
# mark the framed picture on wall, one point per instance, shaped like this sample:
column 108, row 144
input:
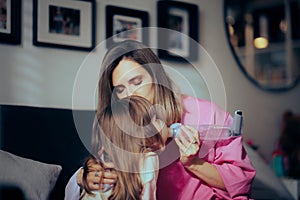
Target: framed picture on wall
column 179, row 36
column 124, row 24
column 295, row 19
column 68, row 24
column 10, row 21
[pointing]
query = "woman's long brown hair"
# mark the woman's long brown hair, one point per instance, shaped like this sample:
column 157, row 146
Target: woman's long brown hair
column 126, row 132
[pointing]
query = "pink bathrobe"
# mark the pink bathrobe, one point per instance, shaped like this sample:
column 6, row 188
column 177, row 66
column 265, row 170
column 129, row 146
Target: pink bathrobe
column 228, row 156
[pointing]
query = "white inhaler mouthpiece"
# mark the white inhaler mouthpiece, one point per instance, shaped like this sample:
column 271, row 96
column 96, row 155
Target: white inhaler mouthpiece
column 175, row 129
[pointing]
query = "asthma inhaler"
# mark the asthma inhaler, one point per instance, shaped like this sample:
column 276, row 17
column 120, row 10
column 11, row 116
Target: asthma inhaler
column 236, row 128
column 237, row 124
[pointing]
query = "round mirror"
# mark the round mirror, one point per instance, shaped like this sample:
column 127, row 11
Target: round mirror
column 265, row 39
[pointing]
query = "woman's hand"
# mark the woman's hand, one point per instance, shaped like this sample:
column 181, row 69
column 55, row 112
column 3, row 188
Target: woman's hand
column 99, row 176
column 188, row 143
column 109, row 175
column 94, row 176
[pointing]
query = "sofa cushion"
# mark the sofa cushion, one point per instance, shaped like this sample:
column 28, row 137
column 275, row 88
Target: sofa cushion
column 35, row 179
column 47, row 135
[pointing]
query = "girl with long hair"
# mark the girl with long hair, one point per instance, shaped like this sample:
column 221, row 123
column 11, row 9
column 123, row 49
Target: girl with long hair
column 131, row 132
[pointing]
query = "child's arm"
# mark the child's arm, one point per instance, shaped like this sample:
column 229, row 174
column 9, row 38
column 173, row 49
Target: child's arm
column 149, row 174
column 149, row 191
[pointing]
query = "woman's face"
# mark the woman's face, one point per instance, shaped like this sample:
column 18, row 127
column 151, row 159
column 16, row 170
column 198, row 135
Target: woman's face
column 130, row 78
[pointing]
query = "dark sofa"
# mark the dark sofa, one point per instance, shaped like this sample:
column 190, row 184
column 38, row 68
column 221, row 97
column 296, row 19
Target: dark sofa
column 48, row 135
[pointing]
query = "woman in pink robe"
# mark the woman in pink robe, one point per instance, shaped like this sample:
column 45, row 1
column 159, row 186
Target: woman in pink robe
column 223, row 172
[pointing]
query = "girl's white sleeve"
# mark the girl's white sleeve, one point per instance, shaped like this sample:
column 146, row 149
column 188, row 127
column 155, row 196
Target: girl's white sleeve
column 72, row 190
column 149, row 174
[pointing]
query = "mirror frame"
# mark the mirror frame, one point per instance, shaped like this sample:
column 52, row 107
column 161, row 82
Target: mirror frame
column 242, row 68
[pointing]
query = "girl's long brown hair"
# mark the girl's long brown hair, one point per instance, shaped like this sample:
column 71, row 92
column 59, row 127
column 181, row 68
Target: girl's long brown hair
column 164, row 92
column 126, row 132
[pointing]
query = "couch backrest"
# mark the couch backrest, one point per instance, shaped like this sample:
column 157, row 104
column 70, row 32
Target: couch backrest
column 48, row 135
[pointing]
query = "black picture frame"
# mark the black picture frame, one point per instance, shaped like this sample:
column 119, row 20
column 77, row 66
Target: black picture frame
column 295, row 19
column 10, row 22
column 177, row 17
column 118, row 19
column 58, row 24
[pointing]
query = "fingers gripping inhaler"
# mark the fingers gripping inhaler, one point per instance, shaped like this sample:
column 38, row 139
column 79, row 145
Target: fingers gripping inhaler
column 236, row 129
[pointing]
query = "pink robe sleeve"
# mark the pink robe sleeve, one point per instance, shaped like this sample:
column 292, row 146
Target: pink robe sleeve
column 229, row 156
column 235, row 168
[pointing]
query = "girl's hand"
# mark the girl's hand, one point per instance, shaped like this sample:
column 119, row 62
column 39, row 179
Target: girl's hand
column 188, row 143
